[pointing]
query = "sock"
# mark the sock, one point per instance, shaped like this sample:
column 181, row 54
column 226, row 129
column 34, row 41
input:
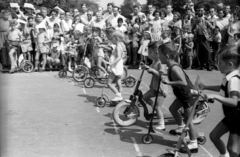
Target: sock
column 181, row 126
column 193, row 141
column 225, row 155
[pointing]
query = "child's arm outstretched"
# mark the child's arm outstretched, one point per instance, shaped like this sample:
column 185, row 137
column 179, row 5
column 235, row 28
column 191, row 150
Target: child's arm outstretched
column 232, row 101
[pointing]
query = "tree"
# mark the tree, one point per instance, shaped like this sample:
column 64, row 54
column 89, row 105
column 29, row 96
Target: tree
column 127, row 7
column 178, row 4
column 64, row 4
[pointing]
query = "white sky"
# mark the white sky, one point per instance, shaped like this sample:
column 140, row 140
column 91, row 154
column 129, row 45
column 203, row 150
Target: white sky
column 103, row 3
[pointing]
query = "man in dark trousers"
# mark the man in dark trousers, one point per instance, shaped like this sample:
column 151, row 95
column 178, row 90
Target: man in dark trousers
column 203, row 37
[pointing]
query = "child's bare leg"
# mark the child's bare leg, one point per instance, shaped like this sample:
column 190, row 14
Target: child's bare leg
column 44, row 61
column 119, row 84
column 216, row 135
column 192, row 130
column 233, row 145
column 147, row 97
column 160, row 101
column 12, row 58
column 29, row 56
column 110, row 84
column 37, row 60
column 25, row 55
column 176, row 105
column 99, row 65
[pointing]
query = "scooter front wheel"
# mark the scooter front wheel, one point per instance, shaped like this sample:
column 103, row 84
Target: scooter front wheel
column 202, row 140
column 101, row 102
column 120, row 117
column 89, row 82
column 147, row 139
column 168, row 155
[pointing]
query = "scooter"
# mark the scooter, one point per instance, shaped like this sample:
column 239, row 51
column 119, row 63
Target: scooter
column 130, row 107
column 148, row 138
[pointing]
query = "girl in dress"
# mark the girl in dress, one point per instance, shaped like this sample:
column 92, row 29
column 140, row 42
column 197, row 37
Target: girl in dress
column 143, row 50
column 116, row 65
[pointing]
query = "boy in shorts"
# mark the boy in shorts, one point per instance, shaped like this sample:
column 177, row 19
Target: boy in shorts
column 228, row 64
column 181, row 86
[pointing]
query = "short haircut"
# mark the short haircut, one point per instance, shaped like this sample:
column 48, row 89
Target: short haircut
column 43, row 8
column 169, row 49
column 231, row 53
column 118, row 35
column 224, row 14
column 97, row 30
column 136, row 6
column 40, row 14
column 54, row 10
column 30, row 17
column 110, row 4
column 116, row 7
column 119, row 19
column 153, row 45
column 84, row 4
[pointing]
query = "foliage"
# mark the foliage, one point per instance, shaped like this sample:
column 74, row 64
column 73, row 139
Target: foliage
column 178, row 4
column 127, row 7
column 64, row 4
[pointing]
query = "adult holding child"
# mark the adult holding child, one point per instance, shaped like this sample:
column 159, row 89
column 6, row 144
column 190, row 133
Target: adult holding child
column 234, row 27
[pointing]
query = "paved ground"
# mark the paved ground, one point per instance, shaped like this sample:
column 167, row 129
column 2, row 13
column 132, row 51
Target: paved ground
column 44, row 116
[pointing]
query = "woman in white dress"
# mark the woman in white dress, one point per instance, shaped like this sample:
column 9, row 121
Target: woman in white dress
column 156, row 27
column 234, row 27
column 51, row 21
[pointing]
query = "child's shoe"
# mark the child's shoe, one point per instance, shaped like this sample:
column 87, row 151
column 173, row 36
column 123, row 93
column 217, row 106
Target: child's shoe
column 192, row 146
column 118, row 97
column 70, row 69
column 224, row 155
column 177, row 131
column 159, row 127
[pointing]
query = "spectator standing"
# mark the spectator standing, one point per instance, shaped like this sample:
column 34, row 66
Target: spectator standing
column 4, row 29
column 109, row 11
column 112, row 19
column 234, row 27
column 155, row 27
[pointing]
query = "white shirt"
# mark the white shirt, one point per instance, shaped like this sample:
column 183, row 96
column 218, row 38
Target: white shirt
column 140, row 14
column 122, row 29
column 113, row 20
column 79, row 27
column 169, row 17
column 66, row 25
column 101, row 24
column 233, row 83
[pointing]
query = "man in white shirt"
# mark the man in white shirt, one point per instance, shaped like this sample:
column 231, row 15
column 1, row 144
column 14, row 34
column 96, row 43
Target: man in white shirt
column 169, row 16
column 227, row 11
column 109, row 11
column 137, row 14
column 83, row 16
column 151, row 10
column 112, row 19
column 66, row 23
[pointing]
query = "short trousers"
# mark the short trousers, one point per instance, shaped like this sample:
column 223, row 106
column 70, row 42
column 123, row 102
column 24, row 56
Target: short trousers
column 43, row 49
column 184, row 98
column 232, row 124
column 26, row 46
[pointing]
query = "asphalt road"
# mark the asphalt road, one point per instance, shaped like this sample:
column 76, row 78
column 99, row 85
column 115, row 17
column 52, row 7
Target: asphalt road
column 45, row 116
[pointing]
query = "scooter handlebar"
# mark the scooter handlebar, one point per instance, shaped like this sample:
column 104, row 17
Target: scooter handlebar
column 196, row 93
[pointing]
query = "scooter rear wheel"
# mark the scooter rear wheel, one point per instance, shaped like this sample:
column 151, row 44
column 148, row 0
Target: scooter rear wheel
column 27, row 66
column 130, row 81
column 147, row 139
column 80, row 73
column 119, row 114
column 62, row 74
